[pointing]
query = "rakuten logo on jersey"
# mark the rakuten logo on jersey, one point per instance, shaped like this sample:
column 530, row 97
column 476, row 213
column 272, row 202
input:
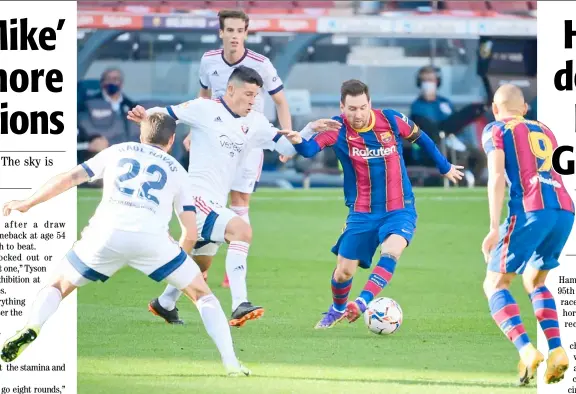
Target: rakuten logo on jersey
column 373, row 153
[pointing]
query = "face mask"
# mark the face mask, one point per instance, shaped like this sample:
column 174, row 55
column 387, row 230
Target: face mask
column 428, row 87
column 111, row 88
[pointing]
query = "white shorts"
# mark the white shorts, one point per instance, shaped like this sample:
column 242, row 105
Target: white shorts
column 100, row 254
column 211, row 221
column 248, row 175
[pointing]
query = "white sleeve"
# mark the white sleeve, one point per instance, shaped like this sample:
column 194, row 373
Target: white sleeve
column 272, row 82
column 203, row 74
column 187, row 112
column 285, row 147
column 264, row 134
column 95, row 166
column 307, row 132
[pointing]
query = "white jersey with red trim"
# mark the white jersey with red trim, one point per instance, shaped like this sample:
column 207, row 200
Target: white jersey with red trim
column 219, row 139
column 215, row 71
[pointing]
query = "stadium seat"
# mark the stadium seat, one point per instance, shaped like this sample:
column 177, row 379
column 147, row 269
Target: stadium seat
column 220, row 5
column 150, row 6
column 509, row 6
column 272, row 4
column 465, row 5
column 314, row 4
column 183, row 5
column 532, row 5
column 268, row 11
column 92, row 5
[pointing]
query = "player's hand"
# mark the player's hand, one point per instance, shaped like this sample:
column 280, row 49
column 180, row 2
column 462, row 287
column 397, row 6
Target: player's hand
column 455, row 175
column 321, row 125
column 15, row 205
column 187, row 143
column 137, row 114
column 285, row 159
column 293, row 136
column 489, row 243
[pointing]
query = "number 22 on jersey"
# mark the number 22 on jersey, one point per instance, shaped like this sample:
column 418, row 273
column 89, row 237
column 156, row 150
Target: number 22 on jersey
column 132, row 170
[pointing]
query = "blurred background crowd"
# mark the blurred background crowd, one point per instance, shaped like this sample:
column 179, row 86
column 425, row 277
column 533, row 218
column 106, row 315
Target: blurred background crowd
column 419, row 57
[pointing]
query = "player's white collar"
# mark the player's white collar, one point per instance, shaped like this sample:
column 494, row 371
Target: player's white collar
column 239, row 60
column 234, row 114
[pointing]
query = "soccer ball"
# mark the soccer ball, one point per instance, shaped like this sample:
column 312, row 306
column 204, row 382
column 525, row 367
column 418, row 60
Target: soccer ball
column 383, row 316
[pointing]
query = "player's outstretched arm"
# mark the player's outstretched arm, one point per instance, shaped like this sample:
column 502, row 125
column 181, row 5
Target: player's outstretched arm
column 187, row 112
column 411, row 132
column 328, row 129
column 54, row 187
column 307, row 148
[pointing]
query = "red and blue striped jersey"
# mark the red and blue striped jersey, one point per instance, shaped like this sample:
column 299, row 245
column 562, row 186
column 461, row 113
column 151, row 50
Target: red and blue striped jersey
column 375, row 176
column 528, row 147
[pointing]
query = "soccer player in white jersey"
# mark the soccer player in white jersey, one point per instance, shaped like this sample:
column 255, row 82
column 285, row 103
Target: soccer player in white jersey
column 142, row 185
column 215, row 69
column 221, row 133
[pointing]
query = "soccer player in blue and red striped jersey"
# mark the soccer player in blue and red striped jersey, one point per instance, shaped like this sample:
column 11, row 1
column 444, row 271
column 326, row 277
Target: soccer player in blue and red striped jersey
column 377, row 191
column 529, row 242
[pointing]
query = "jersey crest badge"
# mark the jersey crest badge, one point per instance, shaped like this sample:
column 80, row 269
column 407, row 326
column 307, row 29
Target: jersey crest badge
column 386, row 137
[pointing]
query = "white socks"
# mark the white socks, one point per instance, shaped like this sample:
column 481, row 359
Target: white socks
column 169, row 298
column 242, row 212
column 236, row 266
column 218, row 328
column 45, row 305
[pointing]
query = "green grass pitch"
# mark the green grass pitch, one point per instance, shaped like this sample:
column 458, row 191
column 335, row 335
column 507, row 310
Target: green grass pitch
column 448, row 342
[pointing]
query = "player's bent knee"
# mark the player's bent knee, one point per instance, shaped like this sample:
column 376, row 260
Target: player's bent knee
column 204, row 262
column 197, row 289
column 64, row 286
column 533, row 278
column 238, row 230
column 345, row 269
column 394, row 245
column 239, row 199
column 495, row 281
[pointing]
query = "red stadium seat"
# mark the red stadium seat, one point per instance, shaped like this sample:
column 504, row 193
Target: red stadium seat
column 315, row 4
column 221, row 5
column 93, row 5
column 509, row 6
column 184, row 5
column 465, row 5
column 272, row 4
column 269, row 11
column 532, row 5
column 152, row 6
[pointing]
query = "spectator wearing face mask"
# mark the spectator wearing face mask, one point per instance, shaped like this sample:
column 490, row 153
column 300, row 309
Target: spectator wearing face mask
column 435, row 108
column 111, row 83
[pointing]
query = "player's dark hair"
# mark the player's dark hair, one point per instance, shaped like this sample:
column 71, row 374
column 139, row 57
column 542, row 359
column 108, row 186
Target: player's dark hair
column 247, row 75
column 232, row 14
column 354, row 88
column 157, row 129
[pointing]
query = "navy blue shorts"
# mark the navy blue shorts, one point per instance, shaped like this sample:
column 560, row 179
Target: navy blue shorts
column 364, row 232
column 536, row 238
